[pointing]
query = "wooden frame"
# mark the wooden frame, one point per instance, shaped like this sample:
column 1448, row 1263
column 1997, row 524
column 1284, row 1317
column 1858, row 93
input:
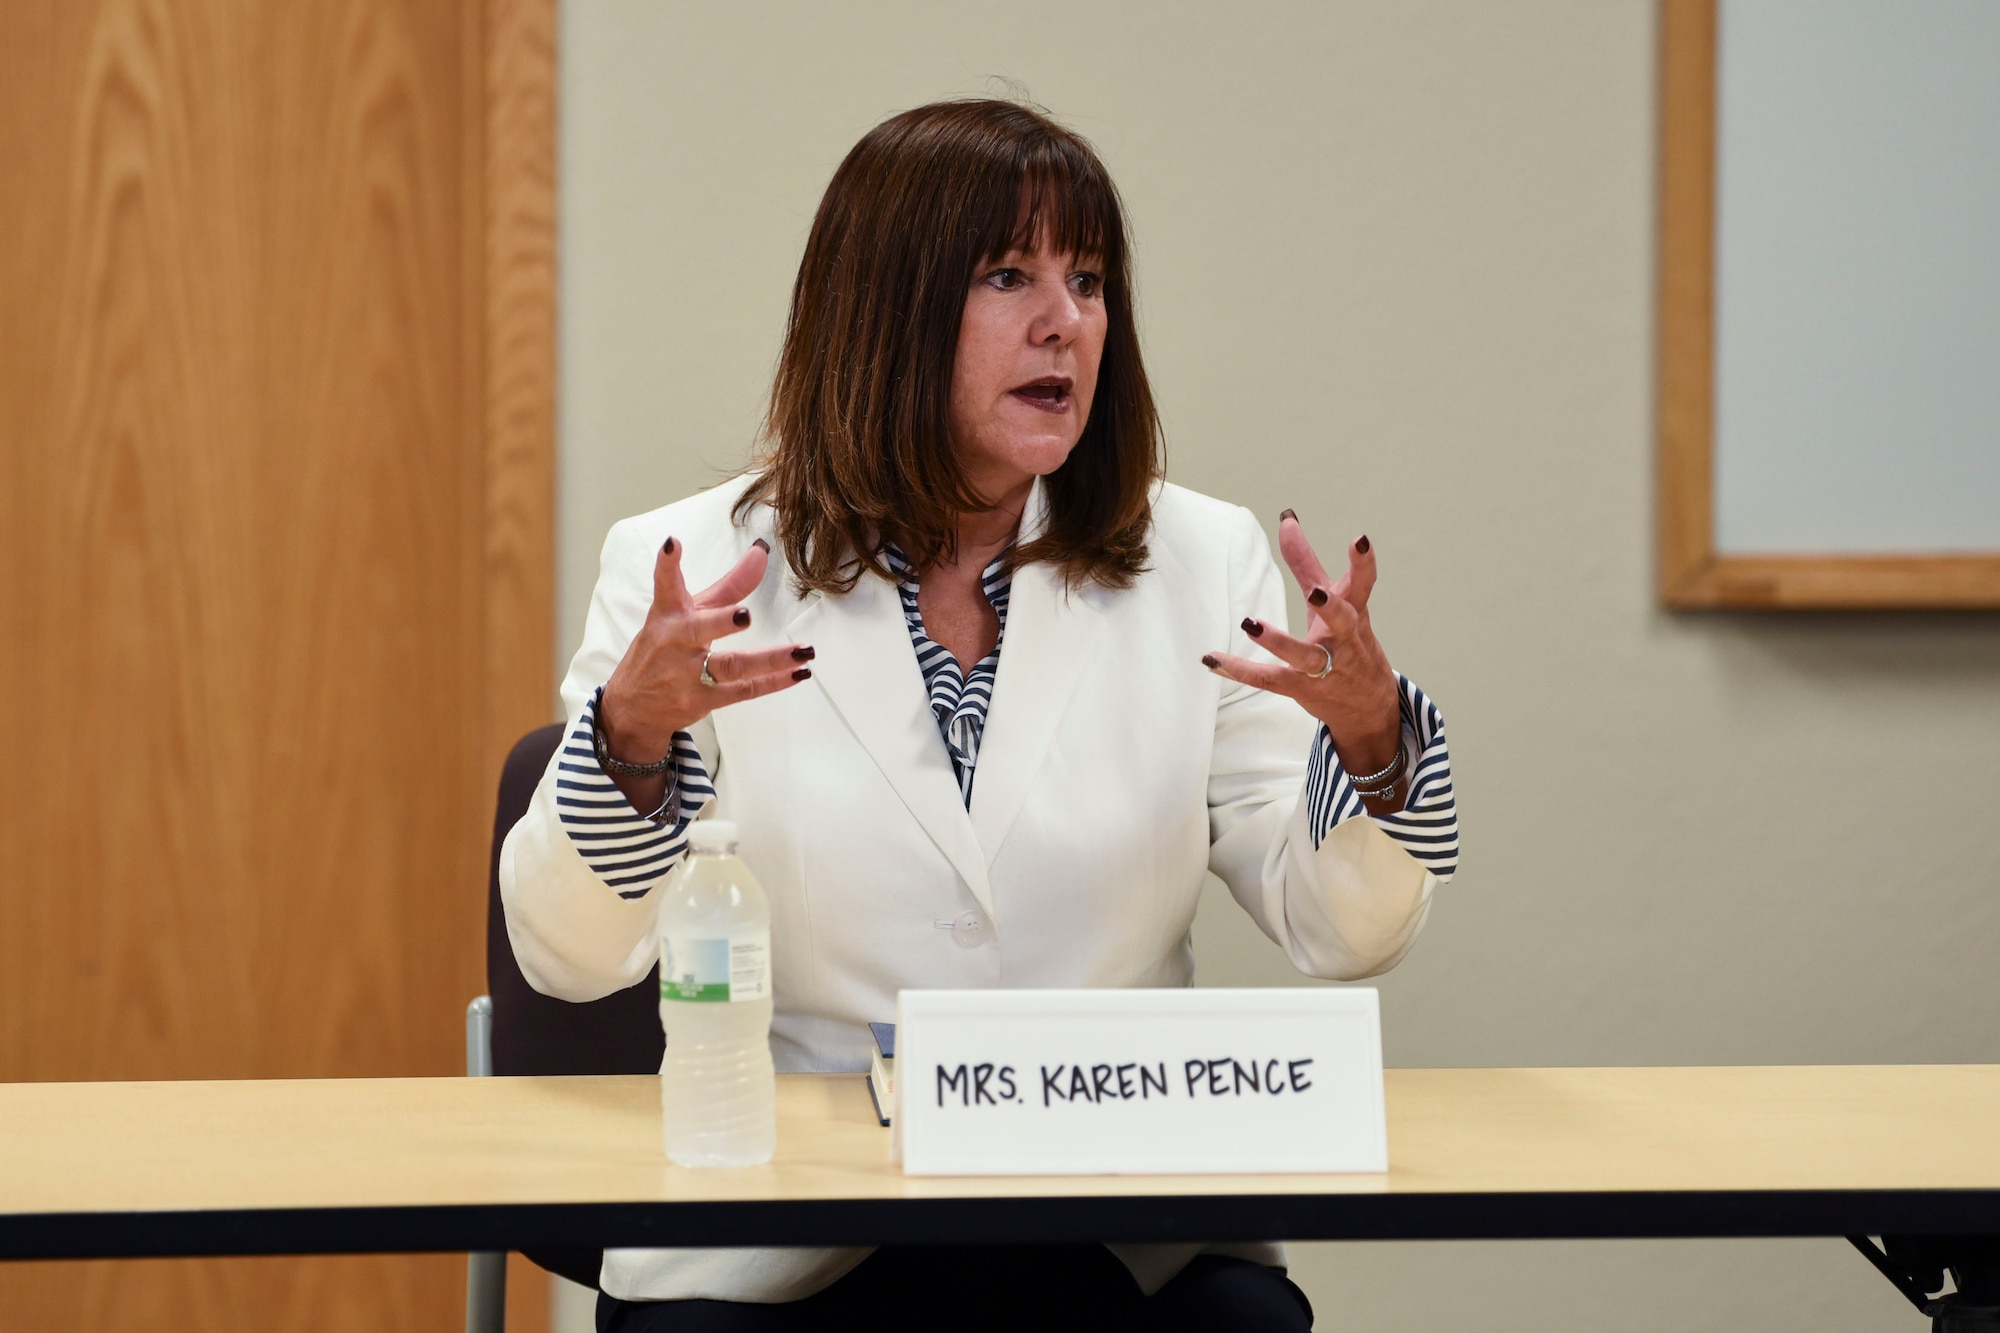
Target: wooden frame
column 512, row 256
column 1692, row 575
column 518, row 377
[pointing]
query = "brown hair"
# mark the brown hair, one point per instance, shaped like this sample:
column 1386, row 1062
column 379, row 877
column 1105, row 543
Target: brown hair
column 858, row 446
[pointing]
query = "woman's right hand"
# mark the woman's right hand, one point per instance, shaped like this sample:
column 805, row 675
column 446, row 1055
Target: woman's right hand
column 656, row 689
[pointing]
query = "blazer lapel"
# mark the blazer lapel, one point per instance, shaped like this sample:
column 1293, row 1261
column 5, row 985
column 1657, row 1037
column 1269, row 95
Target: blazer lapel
column 868, row 669
column 1052, row 636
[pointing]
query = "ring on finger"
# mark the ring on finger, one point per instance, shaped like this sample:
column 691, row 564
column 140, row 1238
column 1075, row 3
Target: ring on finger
column 712, row 682
column 1326, row 667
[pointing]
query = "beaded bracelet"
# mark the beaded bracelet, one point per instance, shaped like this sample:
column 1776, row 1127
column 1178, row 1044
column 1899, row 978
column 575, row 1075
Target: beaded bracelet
column 618, row 768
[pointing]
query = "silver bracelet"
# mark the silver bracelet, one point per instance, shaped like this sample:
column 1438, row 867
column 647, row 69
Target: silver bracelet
column 669, row 810
column 1384, row 782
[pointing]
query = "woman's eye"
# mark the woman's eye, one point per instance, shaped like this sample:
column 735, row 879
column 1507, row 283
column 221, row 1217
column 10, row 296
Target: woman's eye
column 1006, row 279
column 1087, row 284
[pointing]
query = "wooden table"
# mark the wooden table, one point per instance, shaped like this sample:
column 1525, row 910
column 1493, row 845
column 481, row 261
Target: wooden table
column 128, row 1169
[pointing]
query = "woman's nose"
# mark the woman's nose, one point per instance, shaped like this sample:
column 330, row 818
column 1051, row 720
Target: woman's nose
column 1059, row 320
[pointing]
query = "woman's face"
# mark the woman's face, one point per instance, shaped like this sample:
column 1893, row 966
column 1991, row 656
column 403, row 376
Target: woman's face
column 1026, row 370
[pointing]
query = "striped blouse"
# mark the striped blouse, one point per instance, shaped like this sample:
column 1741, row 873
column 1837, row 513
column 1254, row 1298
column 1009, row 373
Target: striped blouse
column 633, row 852
column 959, row 702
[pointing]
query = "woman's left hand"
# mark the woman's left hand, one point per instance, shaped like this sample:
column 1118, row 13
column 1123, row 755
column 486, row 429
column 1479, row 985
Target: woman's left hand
column 1356, row 697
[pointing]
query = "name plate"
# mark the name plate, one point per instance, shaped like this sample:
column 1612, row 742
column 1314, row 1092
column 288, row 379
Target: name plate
column 1088, row 1082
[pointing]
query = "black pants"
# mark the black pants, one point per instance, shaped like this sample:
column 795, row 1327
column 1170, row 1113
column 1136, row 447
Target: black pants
column 1045, row 1288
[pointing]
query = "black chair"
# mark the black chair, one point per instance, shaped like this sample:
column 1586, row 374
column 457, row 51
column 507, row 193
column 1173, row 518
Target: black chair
column 533, row 1033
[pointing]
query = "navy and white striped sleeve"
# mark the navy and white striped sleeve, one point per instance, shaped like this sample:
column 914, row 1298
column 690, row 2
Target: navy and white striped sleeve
column 1427, row 825
column 629, row 851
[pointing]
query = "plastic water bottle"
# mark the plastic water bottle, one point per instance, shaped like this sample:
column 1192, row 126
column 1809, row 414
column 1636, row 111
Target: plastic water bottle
column 718, row 1090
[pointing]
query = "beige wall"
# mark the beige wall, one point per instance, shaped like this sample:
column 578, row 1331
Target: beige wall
column 1395, row 272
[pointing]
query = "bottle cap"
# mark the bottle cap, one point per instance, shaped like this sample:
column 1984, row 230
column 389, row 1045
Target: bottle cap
column 712, row 835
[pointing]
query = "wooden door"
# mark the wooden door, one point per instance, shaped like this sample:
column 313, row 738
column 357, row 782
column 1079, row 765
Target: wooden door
column 275, row 552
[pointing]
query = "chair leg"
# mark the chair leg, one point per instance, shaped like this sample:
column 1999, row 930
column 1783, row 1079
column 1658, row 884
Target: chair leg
column 479, row 1037
column 486, row 1292
column 485, row 1271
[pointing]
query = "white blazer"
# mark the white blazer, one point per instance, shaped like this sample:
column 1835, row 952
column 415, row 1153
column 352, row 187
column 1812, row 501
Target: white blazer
column 1114, row 773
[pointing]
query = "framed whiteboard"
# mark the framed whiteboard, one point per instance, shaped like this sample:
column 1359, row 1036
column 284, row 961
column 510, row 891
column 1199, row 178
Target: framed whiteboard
column 1829, row 303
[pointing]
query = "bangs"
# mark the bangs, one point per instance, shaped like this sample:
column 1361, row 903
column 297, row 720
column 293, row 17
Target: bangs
column 1053, row 198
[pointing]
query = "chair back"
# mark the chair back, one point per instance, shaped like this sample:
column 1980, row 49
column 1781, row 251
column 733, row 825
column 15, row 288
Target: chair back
column 538, row 1034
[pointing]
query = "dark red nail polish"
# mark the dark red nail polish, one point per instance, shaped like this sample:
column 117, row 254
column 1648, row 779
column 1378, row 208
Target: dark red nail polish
column 1208, row 660
column 761, row 542
column 803, row 673
column 741, row 618
column 804, row 653
column 1285, row 514
column 1317, row 597
column 1252, row 627
column 1362, row 545
column 669, row 547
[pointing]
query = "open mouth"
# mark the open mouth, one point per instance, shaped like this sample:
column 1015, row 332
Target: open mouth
column 1048, row 394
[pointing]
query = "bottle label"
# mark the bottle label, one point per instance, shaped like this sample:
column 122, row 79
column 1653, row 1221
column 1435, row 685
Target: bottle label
column 704, row 968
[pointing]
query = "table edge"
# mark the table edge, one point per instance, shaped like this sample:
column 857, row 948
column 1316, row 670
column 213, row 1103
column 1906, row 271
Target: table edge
column 1129, row 1218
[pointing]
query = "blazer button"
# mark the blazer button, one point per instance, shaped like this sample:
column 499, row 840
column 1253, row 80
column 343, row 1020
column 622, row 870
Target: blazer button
column 971, row 930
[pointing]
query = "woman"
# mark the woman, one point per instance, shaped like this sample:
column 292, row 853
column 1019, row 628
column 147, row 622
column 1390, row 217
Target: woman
column 1003, row 703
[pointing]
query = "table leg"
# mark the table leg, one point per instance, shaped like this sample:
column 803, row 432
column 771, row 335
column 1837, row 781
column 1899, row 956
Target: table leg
column 1917, row 1265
